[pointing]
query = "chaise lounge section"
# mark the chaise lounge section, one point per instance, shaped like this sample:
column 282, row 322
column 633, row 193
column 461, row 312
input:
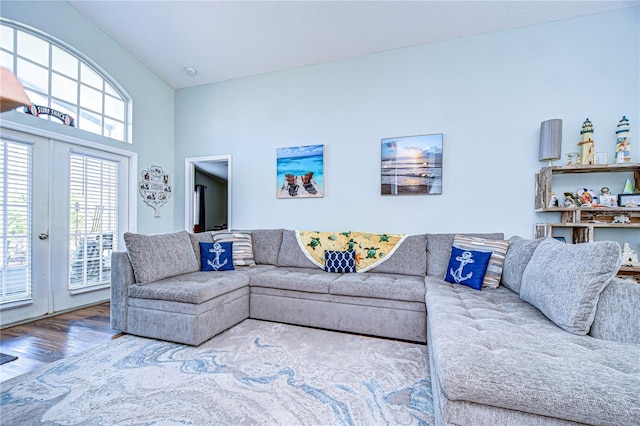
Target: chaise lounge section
column 494, row 357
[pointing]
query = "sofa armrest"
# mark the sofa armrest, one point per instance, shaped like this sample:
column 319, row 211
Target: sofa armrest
column 121, row 278
column 618, row 312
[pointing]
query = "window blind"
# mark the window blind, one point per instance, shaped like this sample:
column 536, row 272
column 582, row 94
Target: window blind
column 93, row 214
column 15, row 221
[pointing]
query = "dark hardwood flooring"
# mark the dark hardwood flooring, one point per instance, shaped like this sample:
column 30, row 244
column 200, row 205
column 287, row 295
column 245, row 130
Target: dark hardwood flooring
column 43, row 341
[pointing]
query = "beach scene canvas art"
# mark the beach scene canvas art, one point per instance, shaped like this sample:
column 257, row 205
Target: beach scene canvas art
column 300, row 171
column 412, row 165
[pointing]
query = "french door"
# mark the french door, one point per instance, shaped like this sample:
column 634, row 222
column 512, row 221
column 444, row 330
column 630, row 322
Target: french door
column 64, row 207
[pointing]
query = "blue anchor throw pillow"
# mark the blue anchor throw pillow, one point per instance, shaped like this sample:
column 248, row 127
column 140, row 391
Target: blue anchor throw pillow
column 216, row 256
column 467, row 267
column 340, row 261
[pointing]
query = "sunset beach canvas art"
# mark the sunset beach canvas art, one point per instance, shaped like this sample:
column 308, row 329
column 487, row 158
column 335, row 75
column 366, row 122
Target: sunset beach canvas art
column 411, row 165
column 300, row 172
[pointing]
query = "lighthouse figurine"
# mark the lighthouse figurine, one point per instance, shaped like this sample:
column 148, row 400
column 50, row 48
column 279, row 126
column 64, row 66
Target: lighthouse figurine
column 586, row 144
column 623, row 142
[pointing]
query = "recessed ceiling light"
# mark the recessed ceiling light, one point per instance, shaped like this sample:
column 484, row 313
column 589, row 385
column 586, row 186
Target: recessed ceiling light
column 190, row 71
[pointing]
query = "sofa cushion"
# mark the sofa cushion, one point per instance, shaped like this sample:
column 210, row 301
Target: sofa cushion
column 409, row 258
column 216, row 256
column 290, row 253
column 489, row 347
column 266, row 245
column 467, row 267
column 310, row 280
column 196, row 287
column 564, row 281
column 439, row 250
column 196, row 239
column 340, row 261
column 516, row 260
column 242, row 246
column 159, row 256
column 498, row 250
column 380, row 286
column 618, row 313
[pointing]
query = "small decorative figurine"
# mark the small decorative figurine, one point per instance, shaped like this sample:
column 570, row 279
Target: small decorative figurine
column 569, row 200
column 586, row 144
column 573, row 158
column 606, row 199
column 629, row 257
column 554, row 200
column 586, row 197
column 621, row 219
column 623, row 141
column 628, row 187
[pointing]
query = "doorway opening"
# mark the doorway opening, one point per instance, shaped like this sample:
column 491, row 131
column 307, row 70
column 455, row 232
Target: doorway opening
column 208, row 193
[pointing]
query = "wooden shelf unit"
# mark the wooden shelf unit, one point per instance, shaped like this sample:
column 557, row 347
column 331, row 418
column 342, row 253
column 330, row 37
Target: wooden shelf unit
column 583, row 221
column 632, row 272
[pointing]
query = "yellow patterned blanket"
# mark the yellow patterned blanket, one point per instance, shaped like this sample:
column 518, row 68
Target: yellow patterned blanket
column 370, row 249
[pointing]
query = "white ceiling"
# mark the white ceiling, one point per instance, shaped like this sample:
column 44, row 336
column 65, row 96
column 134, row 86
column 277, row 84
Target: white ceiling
column 224, row 40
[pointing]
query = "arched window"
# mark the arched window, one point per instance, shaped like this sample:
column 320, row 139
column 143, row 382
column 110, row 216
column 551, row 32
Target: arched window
column 57, row 76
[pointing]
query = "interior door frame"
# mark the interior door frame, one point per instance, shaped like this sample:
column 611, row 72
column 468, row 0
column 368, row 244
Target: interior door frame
column 189, row 181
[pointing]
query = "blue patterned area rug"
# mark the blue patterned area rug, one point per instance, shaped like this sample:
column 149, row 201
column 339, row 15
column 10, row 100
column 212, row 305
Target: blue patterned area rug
column 257, row 373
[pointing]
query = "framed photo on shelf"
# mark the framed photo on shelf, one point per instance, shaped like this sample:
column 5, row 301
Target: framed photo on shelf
column 629, row 198
column 601, row 158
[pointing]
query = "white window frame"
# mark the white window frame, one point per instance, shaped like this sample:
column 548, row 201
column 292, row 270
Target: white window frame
column 81, row 111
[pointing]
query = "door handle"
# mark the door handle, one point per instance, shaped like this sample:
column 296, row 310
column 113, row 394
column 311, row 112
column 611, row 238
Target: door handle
column 43, row 236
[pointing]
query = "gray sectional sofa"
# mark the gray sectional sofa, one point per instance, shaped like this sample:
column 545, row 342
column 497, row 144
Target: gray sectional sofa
column 495, row 358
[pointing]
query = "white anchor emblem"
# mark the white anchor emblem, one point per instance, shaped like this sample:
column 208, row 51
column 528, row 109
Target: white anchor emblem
column 464, row 259
column 215, row 263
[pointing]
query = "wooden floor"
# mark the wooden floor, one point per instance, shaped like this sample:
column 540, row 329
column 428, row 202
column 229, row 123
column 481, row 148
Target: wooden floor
column 40, row 342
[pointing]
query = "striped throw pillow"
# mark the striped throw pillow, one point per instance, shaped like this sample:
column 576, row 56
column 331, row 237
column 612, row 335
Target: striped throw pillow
column 498, row 249
column 242, row 246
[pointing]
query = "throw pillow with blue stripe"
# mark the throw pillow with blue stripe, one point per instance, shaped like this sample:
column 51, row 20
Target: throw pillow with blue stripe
column 340, row 261
column 216, row 256
column 467, row 267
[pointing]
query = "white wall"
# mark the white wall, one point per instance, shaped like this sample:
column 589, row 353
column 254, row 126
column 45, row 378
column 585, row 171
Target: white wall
column 487, row 94
column 153, row 100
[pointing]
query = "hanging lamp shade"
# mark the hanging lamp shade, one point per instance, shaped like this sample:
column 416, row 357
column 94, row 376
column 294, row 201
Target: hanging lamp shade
column 550, row 140
column 12, row 93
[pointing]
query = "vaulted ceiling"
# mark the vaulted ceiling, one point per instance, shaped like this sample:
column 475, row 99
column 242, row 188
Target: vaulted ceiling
column 224, row 40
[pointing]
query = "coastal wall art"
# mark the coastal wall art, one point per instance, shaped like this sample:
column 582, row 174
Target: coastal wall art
column 300, row 172
column 411, row 165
